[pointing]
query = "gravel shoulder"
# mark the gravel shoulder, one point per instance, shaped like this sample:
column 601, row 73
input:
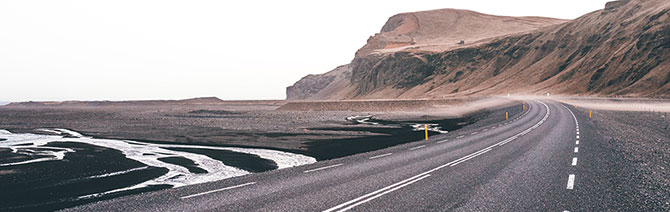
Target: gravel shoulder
column 634, row 155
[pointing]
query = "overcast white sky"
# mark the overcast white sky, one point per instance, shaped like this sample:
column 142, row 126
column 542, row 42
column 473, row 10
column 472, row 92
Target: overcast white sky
column 123, row 50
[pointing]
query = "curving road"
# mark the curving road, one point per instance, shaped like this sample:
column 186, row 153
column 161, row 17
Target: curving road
column 529, row 163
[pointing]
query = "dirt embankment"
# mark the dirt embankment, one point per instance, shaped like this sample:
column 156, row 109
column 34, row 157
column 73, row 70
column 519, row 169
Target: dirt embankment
column 620, row 104
column 446, row 107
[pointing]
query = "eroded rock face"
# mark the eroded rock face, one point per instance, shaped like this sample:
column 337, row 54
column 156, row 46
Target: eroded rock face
column 320, row 86
column 622, row 50
column 308, row 86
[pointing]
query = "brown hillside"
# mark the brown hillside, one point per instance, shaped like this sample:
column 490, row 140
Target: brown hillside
column 621, row 50
column 441, row 30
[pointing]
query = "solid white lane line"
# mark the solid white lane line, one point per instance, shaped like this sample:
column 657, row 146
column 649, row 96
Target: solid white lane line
column 381, row 194
column 503, row 142
column 418, row 147
column 217, row 190
column 574, row 161
column 322, row 168
column 374, row 193
column 466, row 159
column 571, row 182
column 425, row 174
column 462, row 158
column 379, row 156
column 442, row 141
column 457, row 160
column 576, row 149
column 577, row 142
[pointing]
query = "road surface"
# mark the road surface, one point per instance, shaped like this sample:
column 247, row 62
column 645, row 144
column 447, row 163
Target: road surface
column 537, row 160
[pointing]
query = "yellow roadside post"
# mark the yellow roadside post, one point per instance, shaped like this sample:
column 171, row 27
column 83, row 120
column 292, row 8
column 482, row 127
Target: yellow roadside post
column 426, row 129
column 506, row 115
column 590, row 113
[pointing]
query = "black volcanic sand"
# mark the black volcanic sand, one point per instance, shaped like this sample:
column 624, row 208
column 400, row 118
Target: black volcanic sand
column 247, row 162
column 53, row 185
column 388, row 133
column 185, row 162
column 320, row 134
column 231, row 125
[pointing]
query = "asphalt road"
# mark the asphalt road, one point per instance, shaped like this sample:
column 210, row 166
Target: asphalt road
column 535, row 161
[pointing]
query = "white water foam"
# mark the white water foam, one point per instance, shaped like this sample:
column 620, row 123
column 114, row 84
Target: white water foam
column 146, row 153
column 415, row 127
column 431, row 127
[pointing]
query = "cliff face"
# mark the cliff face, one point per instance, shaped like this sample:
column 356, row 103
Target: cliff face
column 620, row 50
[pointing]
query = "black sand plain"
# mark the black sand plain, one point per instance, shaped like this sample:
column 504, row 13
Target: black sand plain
column 323, row 135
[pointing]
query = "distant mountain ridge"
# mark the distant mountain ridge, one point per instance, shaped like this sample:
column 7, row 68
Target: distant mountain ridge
column 621, row 50
column 200, row 100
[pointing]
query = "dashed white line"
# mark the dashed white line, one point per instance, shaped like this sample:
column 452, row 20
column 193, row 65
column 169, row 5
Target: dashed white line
column 418, row 147
column 322, row 168
column 474, row 133
column 442, row 141
column 571, row 181
column 379, row 156
column 460, row 136
column 571, row 178
column 217, row 190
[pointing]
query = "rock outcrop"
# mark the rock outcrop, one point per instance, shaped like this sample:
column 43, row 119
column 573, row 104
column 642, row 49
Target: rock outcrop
column 320, row 86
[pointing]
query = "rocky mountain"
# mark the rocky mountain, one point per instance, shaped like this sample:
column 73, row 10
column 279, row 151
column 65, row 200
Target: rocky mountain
column 621, row 50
